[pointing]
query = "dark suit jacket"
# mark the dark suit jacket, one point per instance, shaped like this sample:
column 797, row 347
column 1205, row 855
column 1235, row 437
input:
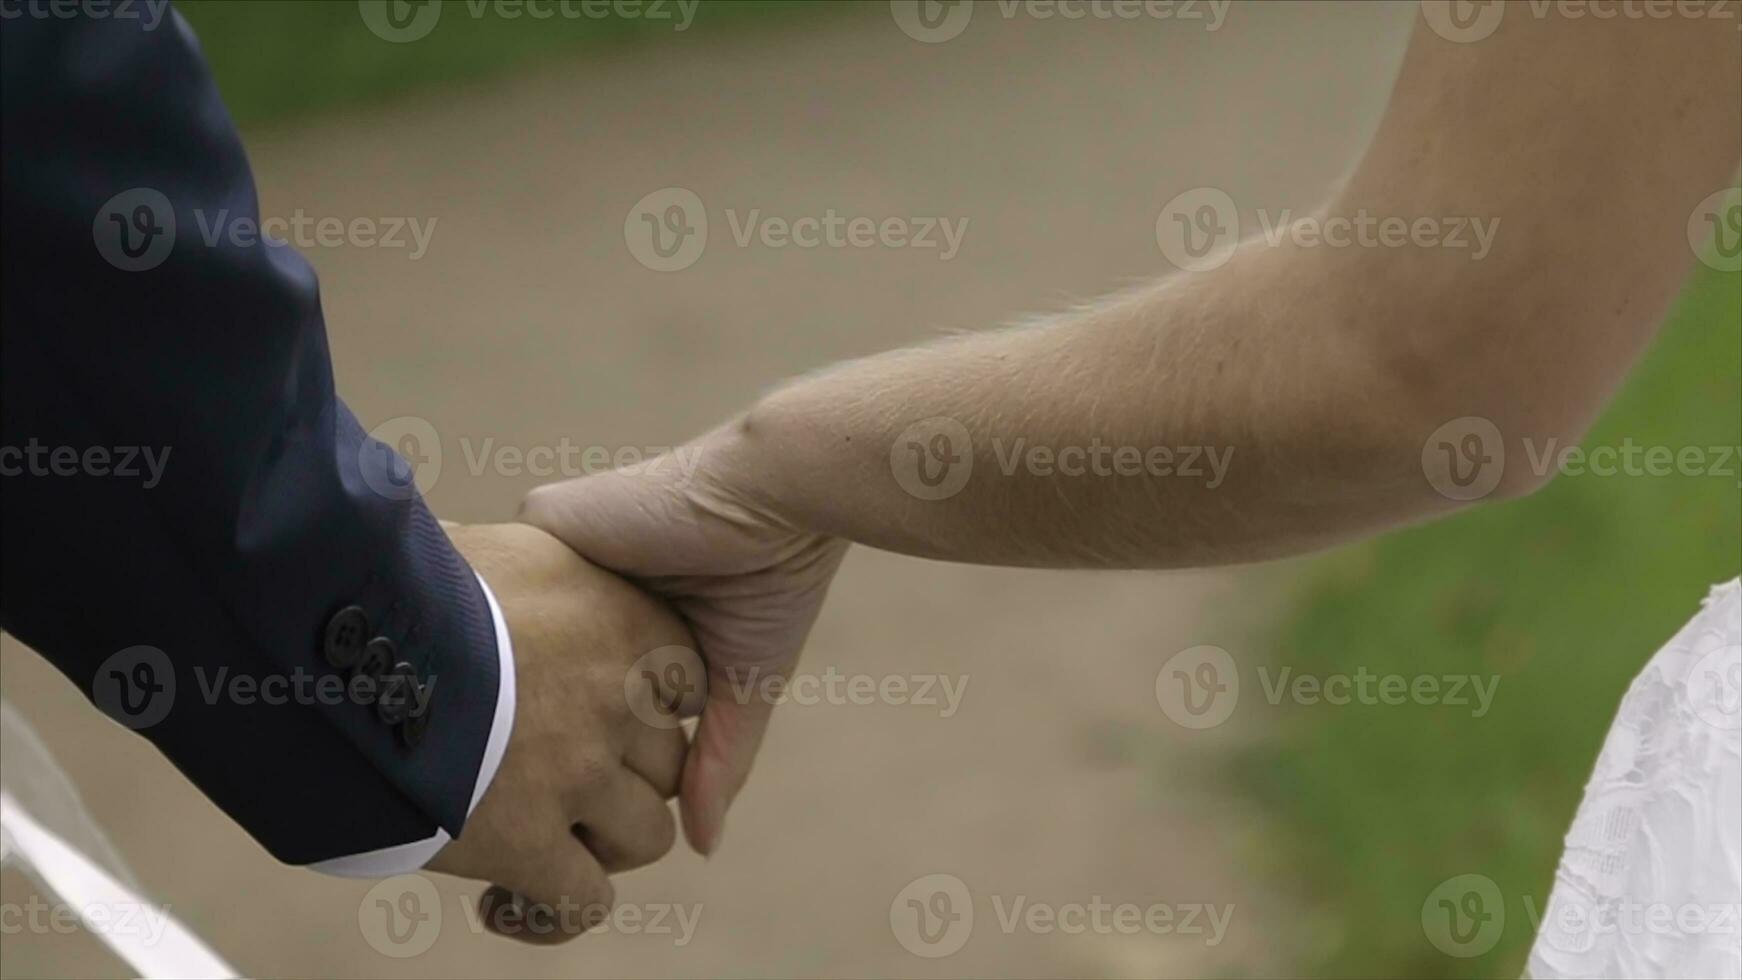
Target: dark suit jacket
column 278, row 545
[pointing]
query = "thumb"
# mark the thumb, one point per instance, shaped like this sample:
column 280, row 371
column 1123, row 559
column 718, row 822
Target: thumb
column 730, row 732
column 599, row 516
column 632, row 524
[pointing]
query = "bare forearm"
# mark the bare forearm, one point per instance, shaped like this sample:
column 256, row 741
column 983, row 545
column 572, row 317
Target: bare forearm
column 1283, row 401
column 1182, row 424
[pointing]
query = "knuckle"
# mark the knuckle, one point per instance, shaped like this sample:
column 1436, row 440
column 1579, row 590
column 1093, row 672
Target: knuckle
column 588, row 771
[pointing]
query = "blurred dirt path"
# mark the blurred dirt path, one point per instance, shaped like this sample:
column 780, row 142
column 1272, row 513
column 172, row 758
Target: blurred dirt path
column 528, row 321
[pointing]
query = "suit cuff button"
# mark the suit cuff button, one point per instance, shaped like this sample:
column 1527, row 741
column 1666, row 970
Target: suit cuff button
column 347, row 633
column 398, row 687
column 377, row 659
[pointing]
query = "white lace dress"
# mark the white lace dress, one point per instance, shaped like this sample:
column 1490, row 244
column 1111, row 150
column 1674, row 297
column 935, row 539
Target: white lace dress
column 1650, row 883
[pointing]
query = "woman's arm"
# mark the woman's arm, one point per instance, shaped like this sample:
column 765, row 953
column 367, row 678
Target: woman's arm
column 1320, row 377
column 1312, row 376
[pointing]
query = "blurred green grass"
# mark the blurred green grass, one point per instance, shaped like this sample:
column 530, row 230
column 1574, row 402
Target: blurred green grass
column 277, row 60
column 1563, row 596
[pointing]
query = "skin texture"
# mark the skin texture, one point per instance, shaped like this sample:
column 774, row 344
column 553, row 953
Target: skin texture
column 1324, row 370
column 582, row 788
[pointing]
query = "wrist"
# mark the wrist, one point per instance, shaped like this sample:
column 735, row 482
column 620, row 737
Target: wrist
column 739, row 468
column 749, row 469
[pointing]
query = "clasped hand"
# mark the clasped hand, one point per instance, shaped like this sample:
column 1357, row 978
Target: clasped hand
column 714, row 572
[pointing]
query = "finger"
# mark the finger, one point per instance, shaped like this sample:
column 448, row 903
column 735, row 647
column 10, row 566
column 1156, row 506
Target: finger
column 657, row 756
column 719, row 762
column 624, row 822
column 551, row 899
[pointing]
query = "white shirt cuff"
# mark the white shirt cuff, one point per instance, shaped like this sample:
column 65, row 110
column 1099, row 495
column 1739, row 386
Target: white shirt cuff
column 404, row 858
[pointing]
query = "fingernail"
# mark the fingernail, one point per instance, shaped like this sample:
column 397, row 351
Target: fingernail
column 716, row 820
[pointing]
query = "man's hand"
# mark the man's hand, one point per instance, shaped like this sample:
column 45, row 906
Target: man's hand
column 582, row 786
column 748, row 585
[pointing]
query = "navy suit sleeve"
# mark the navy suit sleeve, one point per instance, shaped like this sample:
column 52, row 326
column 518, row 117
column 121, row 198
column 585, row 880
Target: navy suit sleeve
column 197, row 532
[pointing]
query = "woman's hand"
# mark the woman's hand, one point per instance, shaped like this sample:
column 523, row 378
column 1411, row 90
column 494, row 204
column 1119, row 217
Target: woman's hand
column 748, row 585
